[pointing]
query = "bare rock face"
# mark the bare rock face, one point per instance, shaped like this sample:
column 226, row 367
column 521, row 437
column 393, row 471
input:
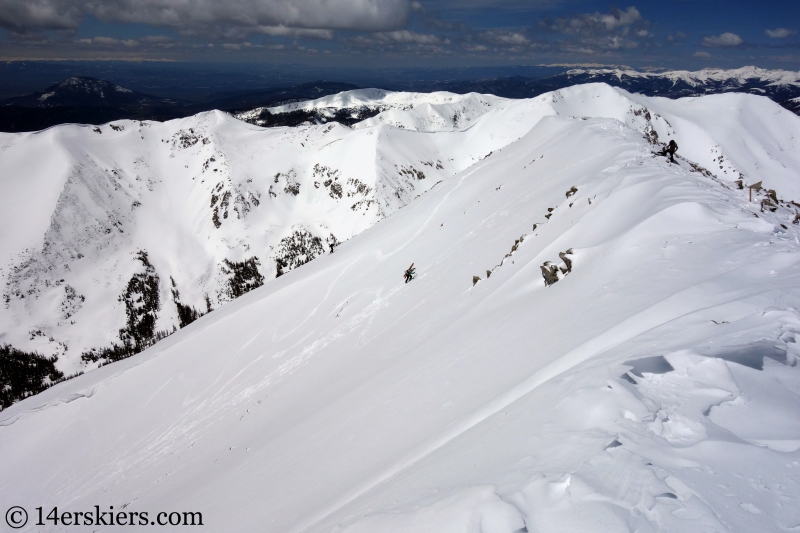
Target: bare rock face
column 549, row 273
column 567, row 261
column 475, row 279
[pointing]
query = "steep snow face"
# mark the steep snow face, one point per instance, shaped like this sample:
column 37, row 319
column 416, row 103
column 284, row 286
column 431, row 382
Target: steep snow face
column 219, row 206
column 652, row 386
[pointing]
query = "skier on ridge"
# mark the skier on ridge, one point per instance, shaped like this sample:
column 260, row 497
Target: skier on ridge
column 409, row 274
column 670, row 150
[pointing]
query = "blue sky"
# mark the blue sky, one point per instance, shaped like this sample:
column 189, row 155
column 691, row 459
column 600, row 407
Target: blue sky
column 406, row 33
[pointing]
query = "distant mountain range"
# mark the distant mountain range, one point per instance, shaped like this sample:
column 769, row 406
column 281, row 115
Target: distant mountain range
column 85, row 100
column 777, row 85
column 78, row 91
column 780, row 86
column 92, row 101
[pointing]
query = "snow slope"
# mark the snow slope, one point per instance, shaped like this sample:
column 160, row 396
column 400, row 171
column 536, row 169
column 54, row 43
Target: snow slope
column 197, row 192
column 192, row 193
column 653, row 387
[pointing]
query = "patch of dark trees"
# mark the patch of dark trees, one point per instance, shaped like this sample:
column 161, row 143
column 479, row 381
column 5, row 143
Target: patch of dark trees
column 142, row 302
column 187, row 313
column 347, row 117
column 24, row 374
column 243, row 276
column 298, row 249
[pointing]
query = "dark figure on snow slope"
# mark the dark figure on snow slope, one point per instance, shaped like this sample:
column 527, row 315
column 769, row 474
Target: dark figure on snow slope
column 409, row 274
column 670, row 150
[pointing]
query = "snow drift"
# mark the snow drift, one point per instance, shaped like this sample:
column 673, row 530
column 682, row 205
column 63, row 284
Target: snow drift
column 652, row 386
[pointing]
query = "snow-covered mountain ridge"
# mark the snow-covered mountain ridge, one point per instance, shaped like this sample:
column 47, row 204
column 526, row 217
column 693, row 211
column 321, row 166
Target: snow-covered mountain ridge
column 444, row 111
column 215, row 205
column 652, row 387
column 218, row 206
column 695, row 78
column 781, row 86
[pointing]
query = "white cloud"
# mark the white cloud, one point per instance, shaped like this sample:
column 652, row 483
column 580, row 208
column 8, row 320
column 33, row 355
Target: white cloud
column 620, row 18
column 405, row 36
column 511, row 38
column 616, row 43
column 700, row 53
column 596, row 33
column 295, row 33
column 598, row 23
column 156, row 39
column 24, row 15
column 579, row 49
column 475, row 48
column 209, row 16
column 780, row 33
column 238, row 46
column 506, row 37
column 725, row 40
column 109, row 41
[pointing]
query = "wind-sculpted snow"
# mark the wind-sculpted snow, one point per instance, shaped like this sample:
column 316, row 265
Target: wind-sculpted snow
column 653, row 387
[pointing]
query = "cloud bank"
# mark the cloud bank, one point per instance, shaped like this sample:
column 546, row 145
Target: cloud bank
column 780, row 33
column 723, row 41
column 191, row 17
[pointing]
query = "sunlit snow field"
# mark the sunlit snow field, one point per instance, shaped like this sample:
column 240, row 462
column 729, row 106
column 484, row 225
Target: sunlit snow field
column 653, row 387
